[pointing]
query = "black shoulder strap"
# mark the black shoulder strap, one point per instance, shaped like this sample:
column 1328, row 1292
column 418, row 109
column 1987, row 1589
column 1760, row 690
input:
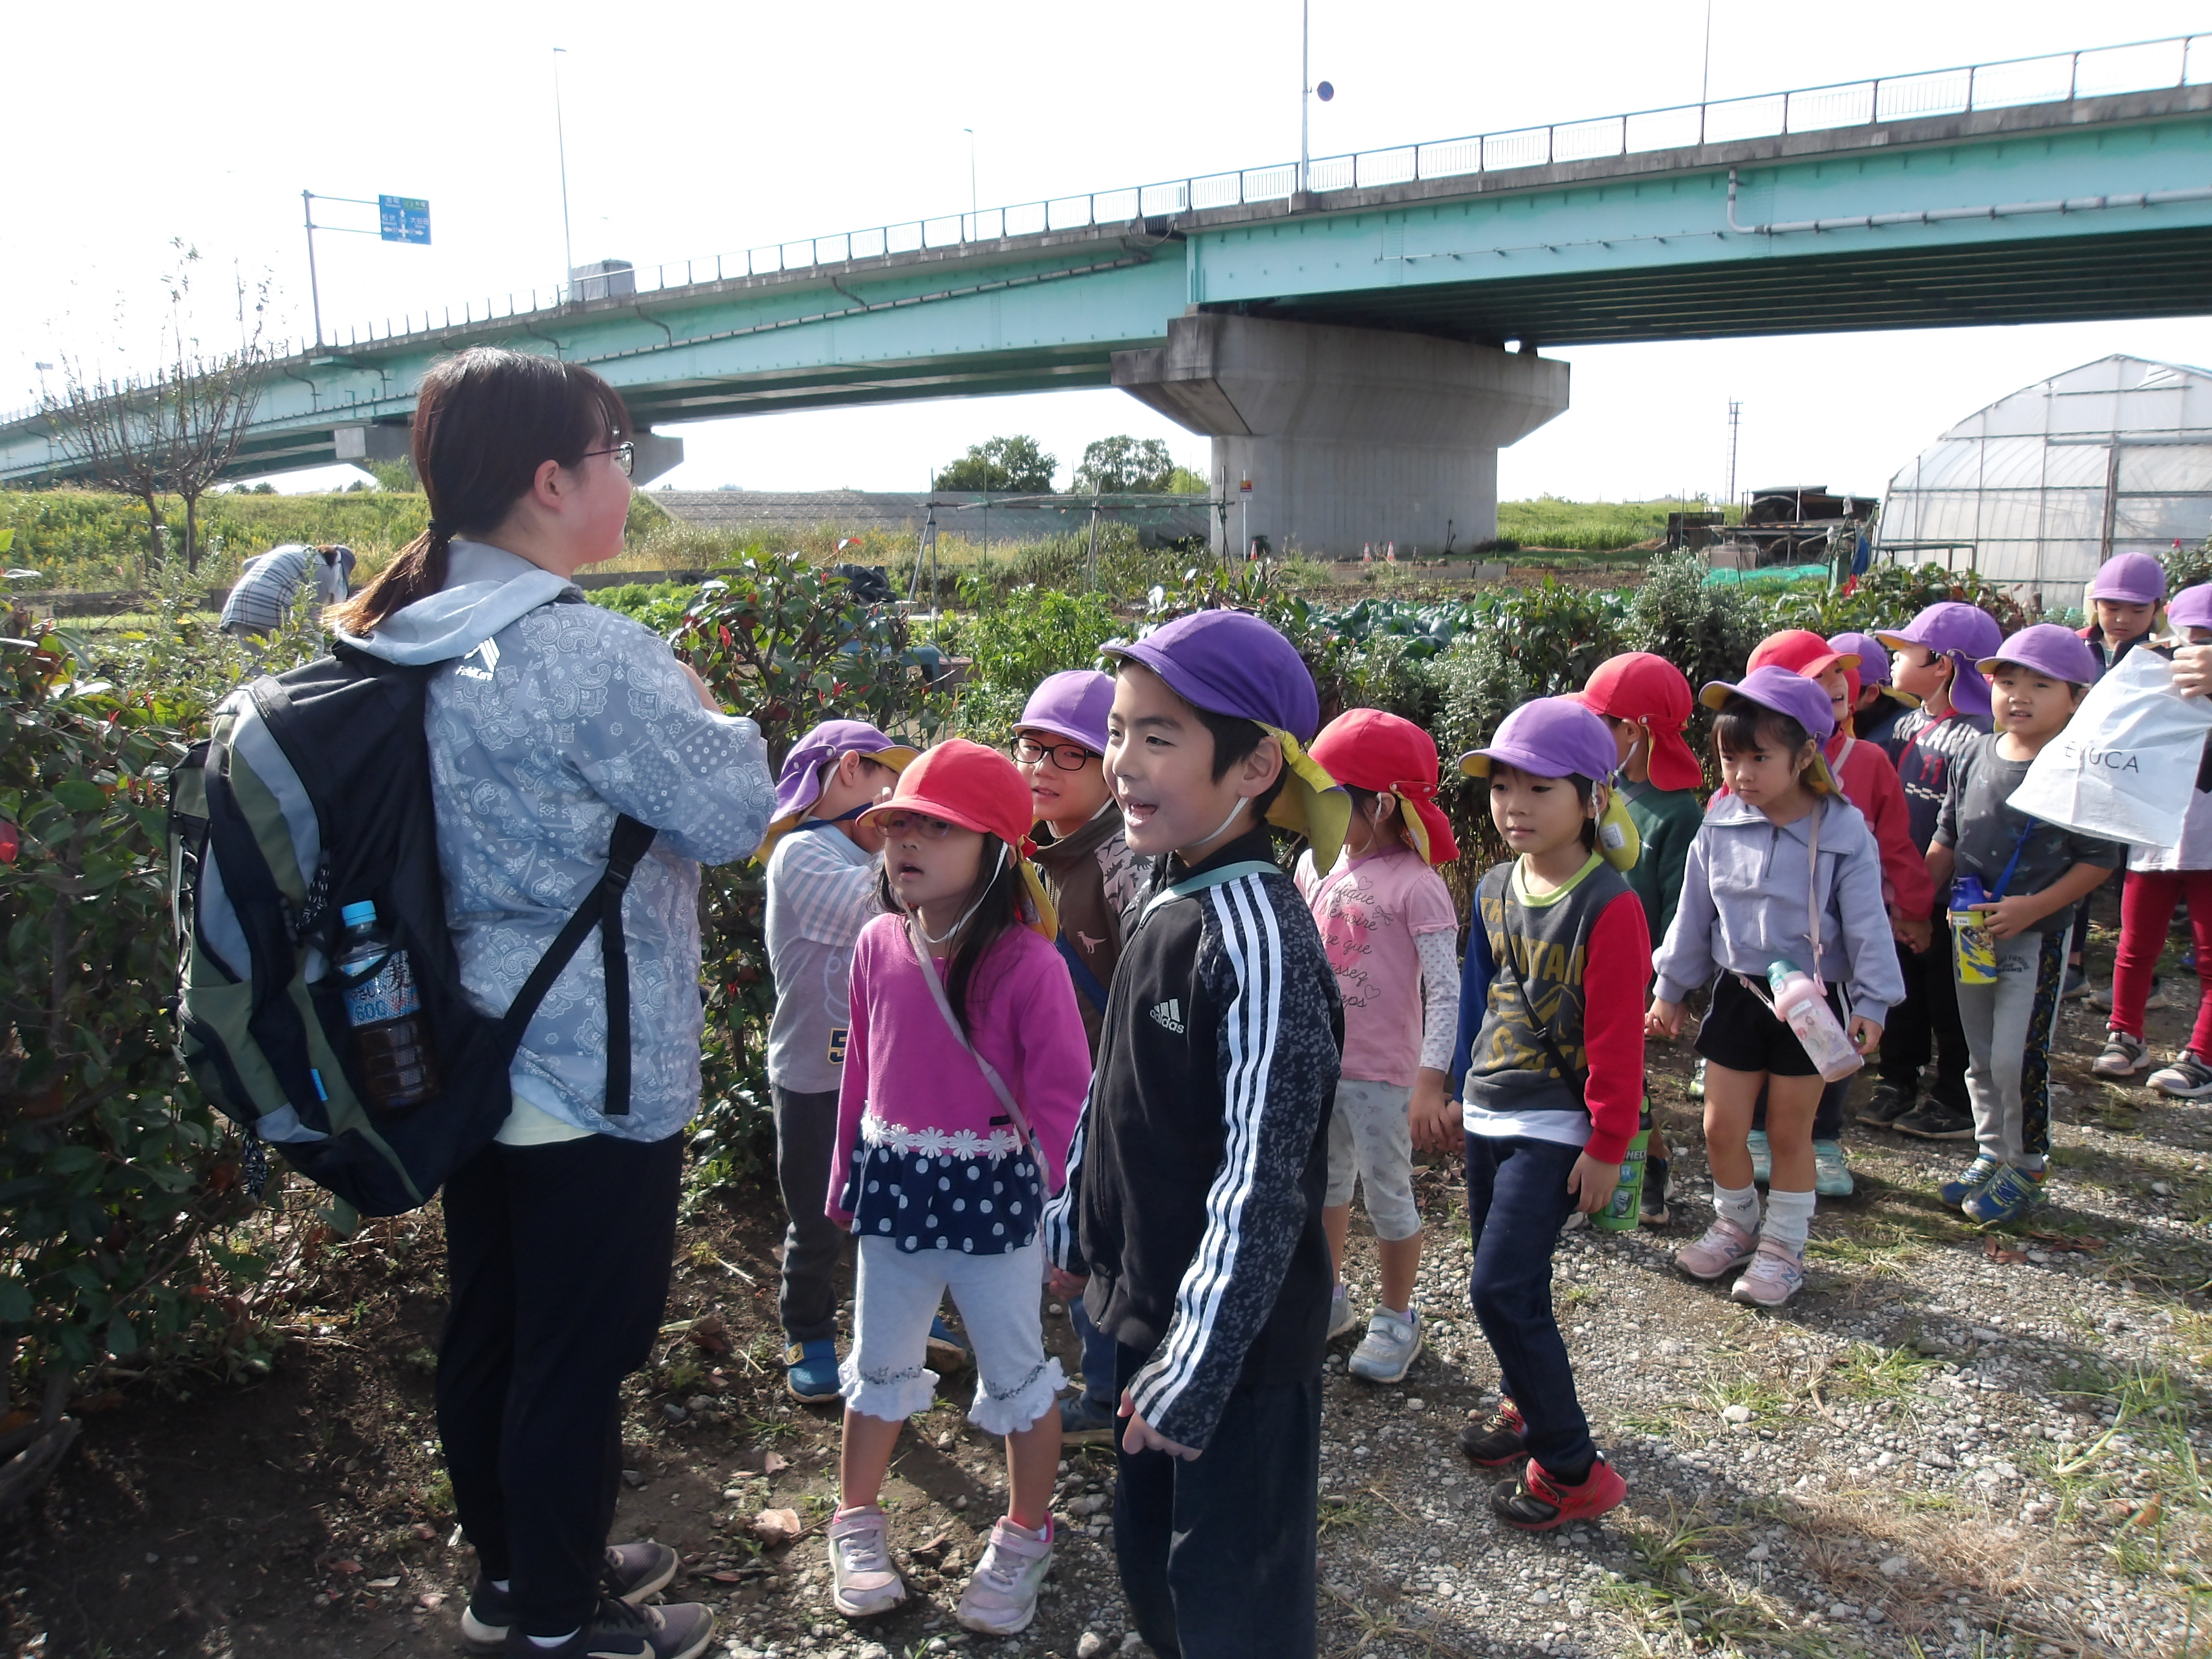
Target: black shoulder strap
column 601, row 908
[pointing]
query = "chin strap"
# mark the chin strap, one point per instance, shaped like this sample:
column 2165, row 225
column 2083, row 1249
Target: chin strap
column 998, row 864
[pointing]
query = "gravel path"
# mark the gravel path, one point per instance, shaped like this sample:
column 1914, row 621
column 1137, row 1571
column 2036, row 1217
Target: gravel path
column 1951, row 1443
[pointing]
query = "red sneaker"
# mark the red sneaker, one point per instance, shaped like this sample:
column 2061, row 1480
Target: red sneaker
column 1536, row 1503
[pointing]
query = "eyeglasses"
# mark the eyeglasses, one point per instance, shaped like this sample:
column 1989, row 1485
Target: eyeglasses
column 625, row 456
column 929, row 829
column 1068, row 757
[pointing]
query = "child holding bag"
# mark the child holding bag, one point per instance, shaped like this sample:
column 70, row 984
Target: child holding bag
column 1784, row 870
column 964, row 1075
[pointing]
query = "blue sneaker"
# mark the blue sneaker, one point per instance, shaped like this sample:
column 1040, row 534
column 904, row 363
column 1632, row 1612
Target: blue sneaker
column 2011, row 1195
column 1087, row 1422
column 947, row 1351
column 810, row 1371
column 1969, row 1181
column 1762, row 1158
column 1832, row 1170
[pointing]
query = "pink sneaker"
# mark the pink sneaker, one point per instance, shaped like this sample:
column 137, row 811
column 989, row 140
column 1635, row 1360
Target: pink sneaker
column 1724, row 1248
column 1777, row 1274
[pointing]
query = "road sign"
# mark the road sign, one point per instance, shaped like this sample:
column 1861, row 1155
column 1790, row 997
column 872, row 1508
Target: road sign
column 403, row 218
column 1245, row 489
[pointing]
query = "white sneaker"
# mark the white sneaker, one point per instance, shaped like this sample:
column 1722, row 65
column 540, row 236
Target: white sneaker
column 865, row 1581
column 1341, row 1319
column 2124, row 1056
column 1001, row 1596
column 1389, row 1348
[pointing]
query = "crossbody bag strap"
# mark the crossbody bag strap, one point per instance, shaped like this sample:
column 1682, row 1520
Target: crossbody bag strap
column 952, row 1024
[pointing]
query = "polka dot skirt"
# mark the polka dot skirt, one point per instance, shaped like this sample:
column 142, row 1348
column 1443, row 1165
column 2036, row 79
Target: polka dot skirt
column 978, row 1205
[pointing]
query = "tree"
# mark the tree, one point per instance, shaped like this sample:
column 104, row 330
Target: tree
column 1124, row 465
column 177, row 433
column 1017, row 463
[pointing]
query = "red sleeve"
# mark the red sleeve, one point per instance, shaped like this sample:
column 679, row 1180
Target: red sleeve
column 1614, row 980
column 1877, row 793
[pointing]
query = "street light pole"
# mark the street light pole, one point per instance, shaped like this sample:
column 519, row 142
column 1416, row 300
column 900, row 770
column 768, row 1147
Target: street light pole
column 314, row 292
column 1305, row 86
column 973, row 200
column 560, row 146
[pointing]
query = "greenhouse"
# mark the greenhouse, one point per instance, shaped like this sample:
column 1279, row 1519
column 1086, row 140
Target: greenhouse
column 2043, row 486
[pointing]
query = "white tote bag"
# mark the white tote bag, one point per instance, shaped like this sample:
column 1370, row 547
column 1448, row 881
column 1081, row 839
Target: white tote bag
column 2126, row 766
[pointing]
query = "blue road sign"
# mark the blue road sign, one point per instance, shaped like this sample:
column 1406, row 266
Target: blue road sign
column 403, row 218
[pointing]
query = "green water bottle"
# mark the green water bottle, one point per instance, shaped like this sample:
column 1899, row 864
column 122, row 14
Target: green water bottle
column 1620, row 1216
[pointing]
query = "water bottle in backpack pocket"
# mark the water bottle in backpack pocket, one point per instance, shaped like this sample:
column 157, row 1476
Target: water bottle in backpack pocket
column 392, row 1040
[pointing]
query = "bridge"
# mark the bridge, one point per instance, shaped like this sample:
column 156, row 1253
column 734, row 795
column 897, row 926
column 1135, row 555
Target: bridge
column 1343, row 336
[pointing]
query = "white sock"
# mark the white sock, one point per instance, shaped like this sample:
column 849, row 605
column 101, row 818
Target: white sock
column 502, row 1584
column 1789, row 1215
column 1737, row 1204
column 552, row 1641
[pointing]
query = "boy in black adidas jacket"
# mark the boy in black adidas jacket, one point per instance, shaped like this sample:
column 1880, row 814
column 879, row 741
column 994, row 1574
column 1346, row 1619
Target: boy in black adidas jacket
column 1194, row 1190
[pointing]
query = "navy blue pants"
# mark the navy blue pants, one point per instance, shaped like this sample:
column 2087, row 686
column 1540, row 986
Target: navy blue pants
column 1516, row 1201
column 1217, row 1554
column 1098, row 1387
column 558, row 1258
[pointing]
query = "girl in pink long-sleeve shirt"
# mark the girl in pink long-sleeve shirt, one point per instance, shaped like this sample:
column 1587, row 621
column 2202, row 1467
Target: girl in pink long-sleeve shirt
column 941, row 1177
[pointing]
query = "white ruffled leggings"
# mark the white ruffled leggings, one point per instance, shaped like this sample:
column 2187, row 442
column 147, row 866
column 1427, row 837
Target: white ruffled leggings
column 1000, row 1298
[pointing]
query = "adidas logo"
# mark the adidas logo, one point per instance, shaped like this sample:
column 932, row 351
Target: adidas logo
column 1168, row 1015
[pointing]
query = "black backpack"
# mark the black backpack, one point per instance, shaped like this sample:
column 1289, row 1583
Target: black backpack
column 312, row 792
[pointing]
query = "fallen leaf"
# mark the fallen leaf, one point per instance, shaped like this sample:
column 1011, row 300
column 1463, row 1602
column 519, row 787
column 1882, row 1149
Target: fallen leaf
column 1997, row 1252
column 2147, row 1517
column 776, row 1525
column 727, row 1577
column 709, row 1333
column 345, row 1566
column 432, row 1599
column 774, row 1463
column 383, row 1584
column 2067, row 1241
column 426, row 1532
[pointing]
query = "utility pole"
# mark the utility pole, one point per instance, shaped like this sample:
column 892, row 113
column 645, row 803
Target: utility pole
column 1735, row 419
column 314, row 290
column 1705, row 81
column 561, row 148
column 973, row 209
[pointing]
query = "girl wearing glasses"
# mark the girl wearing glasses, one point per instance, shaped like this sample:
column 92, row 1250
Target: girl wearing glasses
column 1096, row 883
column 548, row 718
column 965, row 1070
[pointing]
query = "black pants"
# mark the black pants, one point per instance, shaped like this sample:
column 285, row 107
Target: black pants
column 1927, row 1021
column 558, row 1258
column 814, row 1247
column 1217, row 1554
column 1517, row 1198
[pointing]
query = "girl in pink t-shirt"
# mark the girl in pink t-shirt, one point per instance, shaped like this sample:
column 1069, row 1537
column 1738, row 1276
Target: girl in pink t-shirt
column 1386, row 921
column 965, row 1070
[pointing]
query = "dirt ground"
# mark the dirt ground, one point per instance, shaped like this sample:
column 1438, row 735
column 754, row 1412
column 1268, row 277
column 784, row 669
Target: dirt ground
column 1951, row 1443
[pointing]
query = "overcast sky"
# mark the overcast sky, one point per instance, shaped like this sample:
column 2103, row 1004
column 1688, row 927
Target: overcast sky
column 698, row 129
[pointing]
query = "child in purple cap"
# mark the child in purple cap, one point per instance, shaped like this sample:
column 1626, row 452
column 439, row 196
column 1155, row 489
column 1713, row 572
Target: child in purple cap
column 1552, row 1099
column 1200, row 1165
column 2124, row 599
column 1782, row 870
column 821, row 860
column 1095, row 883
column 1933, row 658
column 2030, row 873
column 2159, row 879
column 1881, row 705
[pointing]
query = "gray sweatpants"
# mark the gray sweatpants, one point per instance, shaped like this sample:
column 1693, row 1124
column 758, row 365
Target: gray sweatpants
column 814, row 1246
column 2008, row 1048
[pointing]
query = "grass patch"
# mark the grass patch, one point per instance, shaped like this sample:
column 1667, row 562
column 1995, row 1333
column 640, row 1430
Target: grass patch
column 1671, row 1586
column 1869, row 1372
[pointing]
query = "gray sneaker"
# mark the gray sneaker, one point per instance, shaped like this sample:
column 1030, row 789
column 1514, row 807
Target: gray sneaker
column 1341, row 1319
column 2187, row 1078
column 1386, row 1353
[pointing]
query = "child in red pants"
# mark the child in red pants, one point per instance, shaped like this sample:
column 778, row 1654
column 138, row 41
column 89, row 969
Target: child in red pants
column 2159, row 877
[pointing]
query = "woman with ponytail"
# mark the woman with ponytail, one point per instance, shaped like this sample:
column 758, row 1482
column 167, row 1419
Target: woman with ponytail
column 550, row 718
column 965, row 1070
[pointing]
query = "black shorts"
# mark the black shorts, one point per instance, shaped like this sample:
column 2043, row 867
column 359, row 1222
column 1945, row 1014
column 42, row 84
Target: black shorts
column 1742, row 1033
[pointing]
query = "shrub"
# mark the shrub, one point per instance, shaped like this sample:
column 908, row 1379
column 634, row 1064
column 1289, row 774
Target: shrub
column 787, row 644
column 1033, row 633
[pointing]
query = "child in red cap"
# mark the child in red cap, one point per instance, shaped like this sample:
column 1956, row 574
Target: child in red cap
column 965, row 1076
column 1868, row 780
column 1646, row 702
column 1387, row 923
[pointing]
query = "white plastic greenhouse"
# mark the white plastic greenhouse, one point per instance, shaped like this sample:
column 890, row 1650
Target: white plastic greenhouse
column 2042, row 487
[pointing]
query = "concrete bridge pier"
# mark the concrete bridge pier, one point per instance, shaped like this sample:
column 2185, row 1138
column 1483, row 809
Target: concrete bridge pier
column 1349, row 435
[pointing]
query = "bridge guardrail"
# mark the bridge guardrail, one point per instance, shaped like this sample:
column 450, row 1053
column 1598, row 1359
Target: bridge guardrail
column 2178, row 60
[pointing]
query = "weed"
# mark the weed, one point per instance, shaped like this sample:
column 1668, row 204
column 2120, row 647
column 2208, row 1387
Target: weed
column 1745, row 1389
column 1872, row 1373
column 1345, row 1515
column 769, row 1429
